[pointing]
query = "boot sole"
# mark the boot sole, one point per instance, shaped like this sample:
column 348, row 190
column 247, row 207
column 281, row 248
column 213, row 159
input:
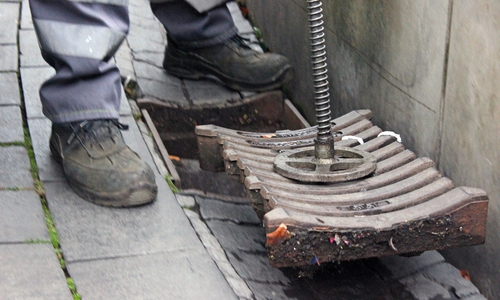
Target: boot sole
column 197, row 70
column 143, row 193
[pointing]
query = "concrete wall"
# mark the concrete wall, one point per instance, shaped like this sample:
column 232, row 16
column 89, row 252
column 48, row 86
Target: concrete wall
column 428, row 69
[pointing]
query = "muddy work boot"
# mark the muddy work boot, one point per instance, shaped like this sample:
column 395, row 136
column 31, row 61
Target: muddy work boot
column 233, row 63
column 99, row 166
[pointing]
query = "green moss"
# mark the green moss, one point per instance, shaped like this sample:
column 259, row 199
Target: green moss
column 171, row 184
column 36, row 241
column 72, row 288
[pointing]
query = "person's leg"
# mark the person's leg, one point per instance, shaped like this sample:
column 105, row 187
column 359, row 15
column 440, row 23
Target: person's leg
column 78, row 39
column 83, row 98
column 191, row 29
column 206, row 45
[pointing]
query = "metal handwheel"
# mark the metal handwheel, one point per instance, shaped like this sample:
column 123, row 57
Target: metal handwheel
column 323, row 163
column 346, row 164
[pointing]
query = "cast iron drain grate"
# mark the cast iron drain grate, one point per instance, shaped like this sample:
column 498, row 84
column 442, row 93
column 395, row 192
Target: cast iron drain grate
column 405, row 207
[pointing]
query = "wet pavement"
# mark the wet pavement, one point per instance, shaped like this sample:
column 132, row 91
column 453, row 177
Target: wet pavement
column 204, row 242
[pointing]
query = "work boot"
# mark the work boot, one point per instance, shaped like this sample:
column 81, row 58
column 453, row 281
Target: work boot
column 233, row 63
column 99, row 166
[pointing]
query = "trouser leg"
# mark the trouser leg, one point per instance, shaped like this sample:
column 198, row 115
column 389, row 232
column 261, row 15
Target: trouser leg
column 191, row 29
column 77, row 39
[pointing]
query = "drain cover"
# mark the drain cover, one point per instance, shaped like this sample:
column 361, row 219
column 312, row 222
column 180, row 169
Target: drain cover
column 406, row 206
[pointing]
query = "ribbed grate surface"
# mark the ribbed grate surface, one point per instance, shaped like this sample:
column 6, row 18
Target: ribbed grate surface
column 406, row 206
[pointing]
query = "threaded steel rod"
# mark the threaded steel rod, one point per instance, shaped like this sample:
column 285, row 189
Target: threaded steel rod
column 320, row 76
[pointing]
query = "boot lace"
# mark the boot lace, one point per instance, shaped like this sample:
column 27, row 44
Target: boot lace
column 241, row 41
column 97, row 133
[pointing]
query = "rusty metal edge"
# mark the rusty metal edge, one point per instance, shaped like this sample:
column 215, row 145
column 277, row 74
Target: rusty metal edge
column 293, row 116
column 176, row 179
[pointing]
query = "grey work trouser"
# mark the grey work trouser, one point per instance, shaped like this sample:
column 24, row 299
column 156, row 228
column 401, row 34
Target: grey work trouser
column 78, row 38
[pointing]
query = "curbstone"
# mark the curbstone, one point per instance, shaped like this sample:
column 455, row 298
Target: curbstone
column 30, row 54
column 185, row 201
column 214, row 249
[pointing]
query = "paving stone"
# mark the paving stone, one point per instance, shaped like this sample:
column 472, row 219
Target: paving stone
column 48, row 168
column 449, row 277
column 124, row 59
column 185, row 201
column 31, row 271
column 112, row 232
column 9, row 16
column 212, row 209
column 138, row 43
column 21, row 217
column 240, row 288
column 208, row 240
column 26, row 21
column 474, row 297
column 265, row 291
column 424, row 289
column 15, row 168
column 29, row 49
column 152, row 58
column 126, row 68
column 206, row 92
column 403, row 266
column 218, row 255
column 170, row 93
column 151, row 72
column 9, row 87
column 359, row 279
column 124, row 106
column 150, row 31
column 140, row 10
column 255, row 267
column 171, row 275
column 238, row 237
column 135, row 141
column 11, row 124
column 8, row 53
column 134, row 108
column 32, row 79
column 88, row 231
column 149, row 22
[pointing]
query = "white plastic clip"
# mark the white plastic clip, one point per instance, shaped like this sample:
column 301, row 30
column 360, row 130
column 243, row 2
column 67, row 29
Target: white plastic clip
column 352, row 137
column 391, row 133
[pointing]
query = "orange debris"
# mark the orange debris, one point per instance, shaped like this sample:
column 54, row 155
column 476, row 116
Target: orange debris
column 174, row 158
column 278, row 236
column 465, row 274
